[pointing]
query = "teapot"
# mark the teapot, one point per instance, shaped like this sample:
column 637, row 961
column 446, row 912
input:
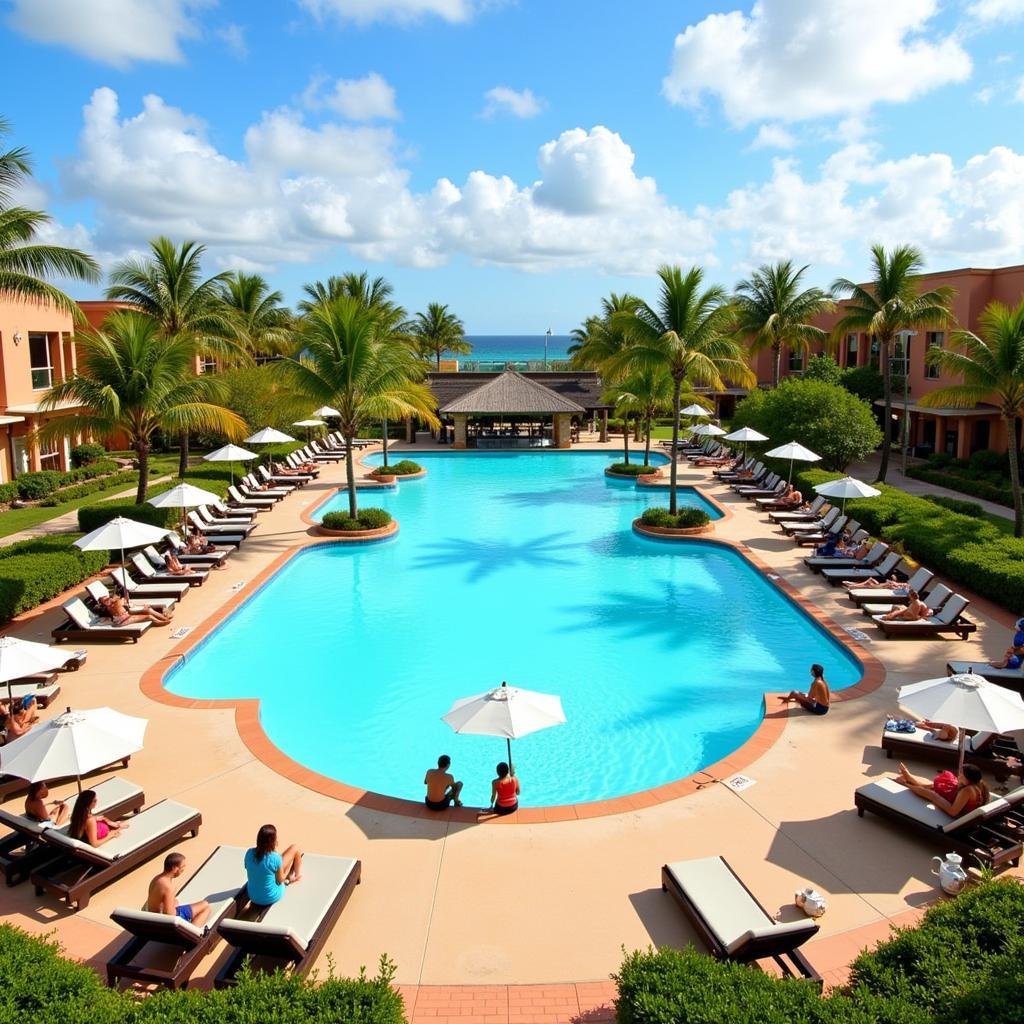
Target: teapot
column 950, row 874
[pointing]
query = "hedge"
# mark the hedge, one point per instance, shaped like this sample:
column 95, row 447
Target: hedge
column 8, row 493
column 38, row 984
column 687, row 518
column 128, row 476
column 961, row 962
column 404, row 468
column 92, row 516
column 367, row 519
column 35, row 571
column 966, row 485
column 968, row 551
column 632, row 469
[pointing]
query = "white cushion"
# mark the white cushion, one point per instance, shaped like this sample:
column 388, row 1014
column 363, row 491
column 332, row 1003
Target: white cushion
column 897, row 797
column 145, row 826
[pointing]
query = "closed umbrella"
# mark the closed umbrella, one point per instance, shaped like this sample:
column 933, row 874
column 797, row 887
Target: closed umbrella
column 268, row 435
column 184, row 496
column 745, row 434
column 121, row 533
column 19, row 658
column 231, row 453
column 74, row 743
column 847, row 487
column 795, row 453
column 967, row 701
column 505, row 711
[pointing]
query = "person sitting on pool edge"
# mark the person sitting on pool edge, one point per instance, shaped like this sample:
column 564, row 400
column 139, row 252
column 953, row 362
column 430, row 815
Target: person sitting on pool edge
column 818, row 698
column 161, row 894
column 504, row 791
column 442, row 789
column 267, row 871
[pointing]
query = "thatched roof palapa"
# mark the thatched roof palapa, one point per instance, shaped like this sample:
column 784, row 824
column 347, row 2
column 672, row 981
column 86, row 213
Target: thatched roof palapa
column 511, row 394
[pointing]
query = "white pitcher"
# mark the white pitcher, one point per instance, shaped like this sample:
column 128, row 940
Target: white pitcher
column 950, row 874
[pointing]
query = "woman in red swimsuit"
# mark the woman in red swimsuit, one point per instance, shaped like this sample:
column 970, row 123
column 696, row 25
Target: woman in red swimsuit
column 89, row 828
column 955, row 796
column 505, row 790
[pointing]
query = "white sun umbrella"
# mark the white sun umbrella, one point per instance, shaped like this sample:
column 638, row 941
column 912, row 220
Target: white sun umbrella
column 707, row 430
column 121, row 534
column 745, row 434
column 20, row 658
column 795, row 453
column 967, row 701
column 268, row 435
column 505, row 711
column 74, row 743
column 183, row 496
column 230, row 453
column 694, row 410
column 847, row 487
column 326, row 410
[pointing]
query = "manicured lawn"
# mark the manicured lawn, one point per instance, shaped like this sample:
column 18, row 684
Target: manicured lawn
column 16, row 519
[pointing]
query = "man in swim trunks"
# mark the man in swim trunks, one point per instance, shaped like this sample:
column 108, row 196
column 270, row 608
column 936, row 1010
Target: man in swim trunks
column 442, row 789
column 161, row 894
column 817, row 699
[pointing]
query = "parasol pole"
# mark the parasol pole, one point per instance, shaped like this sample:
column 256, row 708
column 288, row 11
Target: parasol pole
column 508, row 740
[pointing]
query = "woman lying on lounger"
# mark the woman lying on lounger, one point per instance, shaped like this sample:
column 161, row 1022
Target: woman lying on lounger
column 198, row 544
column 116, row 609
column 90, row 828
column 914, row 611
column 267, row 871
column 955, row 796
column 174, row 567
column 891, row 583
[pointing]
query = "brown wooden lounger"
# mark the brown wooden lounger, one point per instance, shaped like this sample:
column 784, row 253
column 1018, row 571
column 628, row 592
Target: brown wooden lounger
column 82, row 624
column 730, row 918
column 987, row 750
column 78, row 869
column 949, row 619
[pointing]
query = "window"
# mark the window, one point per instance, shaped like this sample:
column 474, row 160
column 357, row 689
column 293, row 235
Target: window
column 42, row 367
column 851, row 350
column 207, row 365
column 874, row 349
column 933, row 339
column 796, row 361
column 49, row 454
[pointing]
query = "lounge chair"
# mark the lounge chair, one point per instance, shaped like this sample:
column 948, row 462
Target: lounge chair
column 975, row 835
column 880, row 571
column 323, row 455
column 949, row 619
column 1010, row 678
column 934, row 600
column 877, row 552
column 22, row 850
column 79, row 869
column 870, row 595
column 214, row 535
column 220, row 880
column 730, row 919
column 82, row 624
column 812, row 538
column 809, row 515
column 281, row 482
column 252, row 501
column 142, row 592
column 180, row 548
column 196, row 576
column 238, row 524
column 97, row 590
column 988, row 750
column 250, row 484
column 42, row 686
column 802, row 526
column 292, row 932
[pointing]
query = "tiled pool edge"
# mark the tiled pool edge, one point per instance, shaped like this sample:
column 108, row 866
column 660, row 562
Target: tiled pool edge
column 250, row 731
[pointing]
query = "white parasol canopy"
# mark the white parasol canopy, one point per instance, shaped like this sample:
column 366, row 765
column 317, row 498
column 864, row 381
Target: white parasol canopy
column 309, row 423
column 707, row 430
column 121, row 534
column 20, row 658
column 183, row 496
column 326, row 410
column 268, row 435
column 505, row 711
column 847, row 487
column 230, row 453
column 967, row 701
column 745, row 434
column 695, row 410
column 74, row 743
column 795, row 453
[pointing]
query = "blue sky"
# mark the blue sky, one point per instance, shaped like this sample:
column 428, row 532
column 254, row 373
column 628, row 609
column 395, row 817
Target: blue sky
column 519, row 159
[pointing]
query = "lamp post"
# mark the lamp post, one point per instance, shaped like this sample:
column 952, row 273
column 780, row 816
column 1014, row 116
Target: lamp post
column 906, row 336
column 547, row 338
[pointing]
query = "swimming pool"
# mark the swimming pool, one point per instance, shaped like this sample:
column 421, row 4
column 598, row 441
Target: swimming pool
column 519, row 566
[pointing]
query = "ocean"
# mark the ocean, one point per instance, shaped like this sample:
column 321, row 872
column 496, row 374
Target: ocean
column 489, row 349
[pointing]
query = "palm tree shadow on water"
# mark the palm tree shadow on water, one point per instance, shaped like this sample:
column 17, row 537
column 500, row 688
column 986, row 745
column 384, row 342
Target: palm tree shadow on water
column 484, row 557
column 577, row 495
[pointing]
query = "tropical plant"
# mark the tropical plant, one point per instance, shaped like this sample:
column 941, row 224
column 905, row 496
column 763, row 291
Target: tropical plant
column 24, row 263
column 134, row 380
column 354, row 285
column 773, row 312
column 689, row 333
column 645, row 393
column 889, row 305
column 257, row 317
column 599, row 343
column 347, row 358
column 992, row 366
column 169, row 287
column 437, row 331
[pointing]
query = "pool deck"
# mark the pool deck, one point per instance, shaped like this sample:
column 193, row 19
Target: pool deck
column 525, row 921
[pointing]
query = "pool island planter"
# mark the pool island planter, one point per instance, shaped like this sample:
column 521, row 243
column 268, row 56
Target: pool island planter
column 358, row 535
column 654, row 474
column 389, row 479
column 671, row 532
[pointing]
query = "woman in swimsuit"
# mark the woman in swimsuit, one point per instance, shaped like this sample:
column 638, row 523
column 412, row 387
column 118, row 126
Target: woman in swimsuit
column 955, row 796
column 91, row 828
column 504, row 790
column 38, row 809
column 817, row 699
column 198, row 544
column 915, row 610
column 117, row 611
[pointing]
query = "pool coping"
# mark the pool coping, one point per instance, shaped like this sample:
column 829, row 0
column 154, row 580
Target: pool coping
column 259, row 744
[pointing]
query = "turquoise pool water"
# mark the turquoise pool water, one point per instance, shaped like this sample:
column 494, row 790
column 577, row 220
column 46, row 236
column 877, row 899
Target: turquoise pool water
column 517, row 566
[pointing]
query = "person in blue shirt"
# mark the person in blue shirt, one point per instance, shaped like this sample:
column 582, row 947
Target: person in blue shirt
column 267, row 871
column 1018, row 636
column 1013, row 658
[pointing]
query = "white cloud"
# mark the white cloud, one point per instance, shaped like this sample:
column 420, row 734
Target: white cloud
column 773, row 136
column 233, row 37
column 996, row 10
column 792, row 60
column 358, row 99
column 503, row 100
column 402, row 11
column 1018, row 95
column 116, row 32
column 985, row 95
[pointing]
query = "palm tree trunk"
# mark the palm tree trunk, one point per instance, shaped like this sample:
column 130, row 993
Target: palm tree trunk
column 776, row 363
column 183, row 456
column 350, row 473
column 638, row 435
column 677, row 397
column 438, row 360
column 142, row 453
column 647, row 443
column 384, row 431
column 1014, row 453
column 883, row 355
column 625, row 438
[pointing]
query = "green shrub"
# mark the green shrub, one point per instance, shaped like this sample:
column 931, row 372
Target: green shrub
column 92, row 516
column 404, row 468
column 632, row 469
column 8, row 493
column 30, row 574
column 84, row 454
column 687, row 518
column 368, row 519
column 825, row 368
column 864, row 382
column 964, row 508
column 33, row 486
column 940, row 460
column 956, row 480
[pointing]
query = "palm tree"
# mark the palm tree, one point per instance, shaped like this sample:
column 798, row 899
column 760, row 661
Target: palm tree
column 169, row 287
column 646, row 392
column 347, row 359
column 356, row 286
column 889, row 305
column 772, row 312
column 601, row 340
column 991, row 364
column 134, row 380
column 689, row 335
column 437, row 331
column 259, row 320
column 23, row 265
